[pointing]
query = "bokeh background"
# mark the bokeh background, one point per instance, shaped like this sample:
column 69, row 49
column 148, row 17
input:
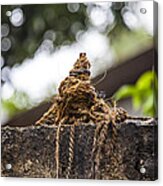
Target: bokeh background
column 40, row 43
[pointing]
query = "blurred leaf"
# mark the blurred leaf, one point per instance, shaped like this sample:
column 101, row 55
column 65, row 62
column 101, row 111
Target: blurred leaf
column 143, row 93
column 10, row 107
column 148, row 104
column 136, row 101
column 17, row 103
column 125, row 91
column 145, row 81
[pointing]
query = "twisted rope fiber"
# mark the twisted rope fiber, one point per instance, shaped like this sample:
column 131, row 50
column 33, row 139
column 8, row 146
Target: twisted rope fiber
column 70, row 150
column 57, row 150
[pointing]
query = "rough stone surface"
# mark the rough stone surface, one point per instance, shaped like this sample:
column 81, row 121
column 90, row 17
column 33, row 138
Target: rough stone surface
column 31, row 151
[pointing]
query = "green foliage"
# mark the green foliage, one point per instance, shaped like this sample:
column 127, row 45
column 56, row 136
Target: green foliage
column 38, row 19
column 18, row 102
column 143, row 93
column 128, row 43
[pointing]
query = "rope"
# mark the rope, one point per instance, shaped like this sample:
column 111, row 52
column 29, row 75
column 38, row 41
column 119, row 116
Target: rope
column 71, row 151
column 57, row 150
column 78, row 101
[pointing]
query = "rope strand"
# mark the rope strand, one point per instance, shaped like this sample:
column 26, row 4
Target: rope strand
column 70, row 151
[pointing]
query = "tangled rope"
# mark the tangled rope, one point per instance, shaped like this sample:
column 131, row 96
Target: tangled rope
column 78, row 102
